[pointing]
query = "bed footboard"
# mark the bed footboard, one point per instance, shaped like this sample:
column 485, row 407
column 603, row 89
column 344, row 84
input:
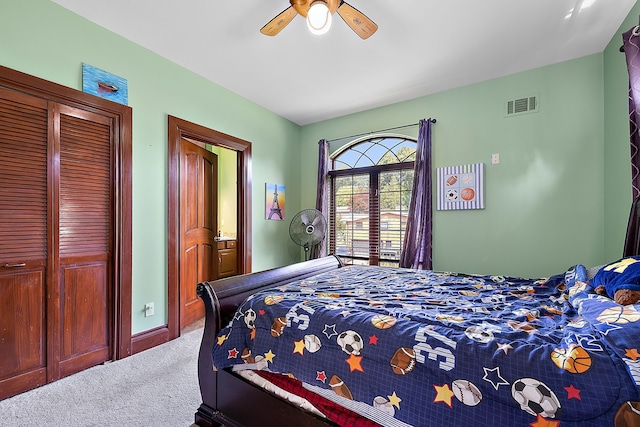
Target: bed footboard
column 222, row 397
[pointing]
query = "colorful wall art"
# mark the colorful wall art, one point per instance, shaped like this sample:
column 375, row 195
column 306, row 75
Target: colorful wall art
column 274, row 197
column 104, row 84
column 461, row 187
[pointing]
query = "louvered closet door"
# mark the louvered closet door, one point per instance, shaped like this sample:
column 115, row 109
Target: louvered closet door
column 85, row 239
column 23, row 242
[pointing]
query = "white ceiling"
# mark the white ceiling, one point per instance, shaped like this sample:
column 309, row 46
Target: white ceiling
column 421, row 46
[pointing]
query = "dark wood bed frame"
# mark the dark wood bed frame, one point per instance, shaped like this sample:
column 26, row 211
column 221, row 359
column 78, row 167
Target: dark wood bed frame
column 228, row 399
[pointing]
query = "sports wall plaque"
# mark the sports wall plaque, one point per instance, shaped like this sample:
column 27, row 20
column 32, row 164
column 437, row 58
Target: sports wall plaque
column 461, row 187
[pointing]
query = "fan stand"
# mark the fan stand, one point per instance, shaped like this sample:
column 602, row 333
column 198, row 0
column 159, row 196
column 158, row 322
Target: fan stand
column 307, row 230
column 306, row 251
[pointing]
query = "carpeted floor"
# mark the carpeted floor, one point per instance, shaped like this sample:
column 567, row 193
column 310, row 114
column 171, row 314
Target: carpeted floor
column 158, row 387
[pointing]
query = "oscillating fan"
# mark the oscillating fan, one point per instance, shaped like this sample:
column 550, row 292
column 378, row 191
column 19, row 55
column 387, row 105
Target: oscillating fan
column 307, row 229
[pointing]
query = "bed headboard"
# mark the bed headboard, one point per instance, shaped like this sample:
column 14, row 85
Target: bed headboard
column 221, row 299
column 230, row 292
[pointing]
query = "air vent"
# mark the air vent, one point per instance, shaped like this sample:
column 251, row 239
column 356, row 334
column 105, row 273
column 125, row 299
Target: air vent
column 521, row 106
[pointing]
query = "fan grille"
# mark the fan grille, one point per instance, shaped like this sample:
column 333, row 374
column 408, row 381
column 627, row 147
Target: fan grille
column 308, row 227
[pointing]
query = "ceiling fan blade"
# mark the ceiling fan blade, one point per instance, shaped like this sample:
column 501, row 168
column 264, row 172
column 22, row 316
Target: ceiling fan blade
column 363, row 26
column 274, row 26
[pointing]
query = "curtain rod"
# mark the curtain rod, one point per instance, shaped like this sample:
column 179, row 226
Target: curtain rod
column 378, row 131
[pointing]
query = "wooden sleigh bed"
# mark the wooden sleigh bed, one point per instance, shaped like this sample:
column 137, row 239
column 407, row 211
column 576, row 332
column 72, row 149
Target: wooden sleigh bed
column 447, row 349
column 224, row 394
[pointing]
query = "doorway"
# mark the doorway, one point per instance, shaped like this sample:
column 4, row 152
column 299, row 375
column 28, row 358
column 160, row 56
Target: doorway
column 181, row 132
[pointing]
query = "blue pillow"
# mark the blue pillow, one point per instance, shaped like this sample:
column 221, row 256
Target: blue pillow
column 622, row 274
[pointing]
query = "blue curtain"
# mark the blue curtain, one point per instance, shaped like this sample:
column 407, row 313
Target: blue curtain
column 320, row 249
column 416, row 250
column 631, row 40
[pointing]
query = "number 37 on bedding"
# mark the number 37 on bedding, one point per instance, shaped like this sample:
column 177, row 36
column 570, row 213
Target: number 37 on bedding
column 422, row 348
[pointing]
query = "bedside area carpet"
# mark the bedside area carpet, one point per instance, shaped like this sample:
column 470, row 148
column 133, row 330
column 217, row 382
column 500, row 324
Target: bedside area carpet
column 157, row 387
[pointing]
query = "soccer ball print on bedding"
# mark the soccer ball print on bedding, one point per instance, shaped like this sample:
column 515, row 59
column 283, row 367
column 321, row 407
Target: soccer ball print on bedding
column 250, row 318
column 350, row 342
column 536, row 398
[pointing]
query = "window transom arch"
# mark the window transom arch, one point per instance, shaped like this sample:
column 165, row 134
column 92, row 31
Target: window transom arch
column 374, row 151
column 371, row 180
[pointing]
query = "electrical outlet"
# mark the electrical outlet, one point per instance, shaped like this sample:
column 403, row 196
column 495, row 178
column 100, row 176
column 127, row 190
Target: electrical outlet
column 148, row 309
column 495, row 159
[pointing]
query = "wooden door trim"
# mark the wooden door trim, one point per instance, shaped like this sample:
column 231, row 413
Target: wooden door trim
column 177, row 130
column 122, row 256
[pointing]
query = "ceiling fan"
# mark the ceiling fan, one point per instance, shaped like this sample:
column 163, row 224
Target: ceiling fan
column 318, row 14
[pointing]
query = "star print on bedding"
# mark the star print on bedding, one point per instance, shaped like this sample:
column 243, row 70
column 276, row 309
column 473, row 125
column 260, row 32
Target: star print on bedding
column 446, row 349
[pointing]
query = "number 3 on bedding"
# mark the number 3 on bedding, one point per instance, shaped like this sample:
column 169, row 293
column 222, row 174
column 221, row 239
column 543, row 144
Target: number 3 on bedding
column 449, row 361
column 301, row 319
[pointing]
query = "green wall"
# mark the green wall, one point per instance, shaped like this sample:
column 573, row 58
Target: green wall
column 538, row 217
column 559, row 196
column 562, row 192
column 43, row 39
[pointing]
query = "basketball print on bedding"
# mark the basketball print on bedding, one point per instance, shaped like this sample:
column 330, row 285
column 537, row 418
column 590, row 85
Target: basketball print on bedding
column 573, row 359
column 619, row 315
column 383, row 321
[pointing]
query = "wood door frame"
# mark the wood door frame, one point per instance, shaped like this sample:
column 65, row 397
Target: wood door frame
column 122, row 185
column 179, row 129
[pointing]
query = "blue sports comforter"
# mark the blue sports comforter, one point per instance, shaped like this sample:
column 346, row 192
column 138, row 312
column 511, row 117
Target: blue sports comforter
column 448, row 349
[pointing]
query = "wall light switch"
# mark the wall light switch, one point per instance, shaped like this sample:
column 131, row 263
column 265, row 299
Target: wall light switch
column 148, row 309
column 495, row 159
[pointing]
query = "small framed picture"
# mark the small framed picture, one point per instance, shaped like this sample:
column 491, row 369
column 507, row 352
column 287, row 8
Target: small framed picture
column 104, row 84
column 461, row 187
column 274, row 201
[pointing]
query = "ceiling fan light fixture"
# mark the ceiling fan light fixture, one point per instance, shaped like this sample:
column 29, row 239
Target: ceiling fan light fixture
column 319, row 17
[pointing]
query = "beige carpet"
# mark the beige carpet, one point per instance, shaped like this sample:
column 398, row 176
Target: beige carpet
column 158, row 387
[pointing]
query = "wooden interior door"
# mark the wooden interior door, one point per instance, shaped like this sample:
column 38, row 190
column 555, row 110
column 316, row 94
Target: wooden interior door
column 198, row 224
column 24, row 217
column 85, row 239
column 179, row 129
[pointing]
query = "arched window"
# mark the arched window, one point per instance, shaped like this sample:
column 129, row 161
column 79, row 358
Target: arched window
column 370, row 192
